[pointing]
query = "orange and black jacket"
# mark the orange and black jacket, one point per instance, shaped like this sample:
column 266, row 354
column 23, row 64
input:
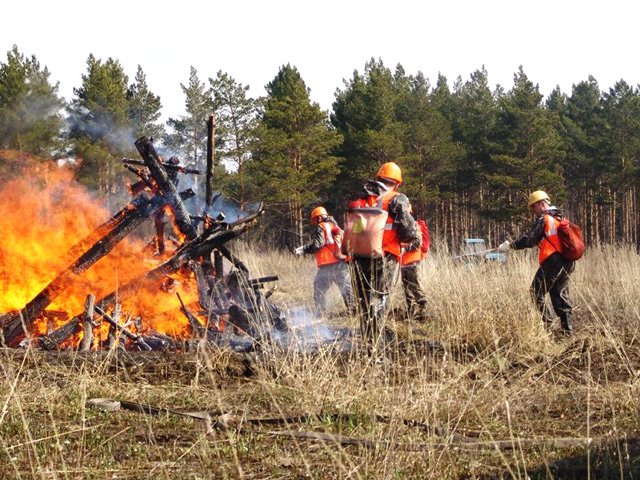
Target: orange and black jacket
column 401, row 229
column 323, row 244
column 544, row 234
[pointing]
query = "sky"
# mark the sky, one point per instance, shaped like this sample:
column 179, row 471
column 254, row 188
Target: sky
column 557, row 42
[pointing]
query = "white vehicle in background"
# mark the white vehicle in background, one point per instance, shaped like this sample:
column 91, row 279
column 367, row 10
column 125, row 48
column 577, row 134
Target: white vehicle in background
column 476, row 248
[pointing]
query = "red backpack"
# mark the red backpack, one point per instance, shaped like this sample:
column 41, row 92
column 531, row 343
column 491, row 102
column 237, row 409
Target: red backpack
column 424, row 247
column 571, row 240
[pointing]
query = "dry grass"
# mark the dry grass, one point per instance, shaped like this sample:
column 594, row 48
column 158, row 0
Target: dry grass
column 483, row 383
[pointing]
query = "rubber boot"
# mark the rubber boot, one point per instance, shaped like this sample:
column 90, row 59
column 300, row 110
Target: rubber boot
column 565, row 321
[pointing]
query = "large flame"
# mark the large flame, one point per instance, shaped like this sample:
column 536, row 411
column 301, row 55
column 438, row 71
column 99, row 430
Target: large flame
column 44, row 213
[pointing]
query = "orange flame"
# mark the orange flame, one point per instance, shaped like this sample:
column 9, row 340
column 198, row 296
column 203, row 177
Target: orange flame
column 42, row 215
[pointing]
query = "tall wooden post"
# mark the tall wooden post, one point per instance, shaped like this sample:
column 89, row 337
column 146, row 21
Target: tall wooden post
column 211, row 131
column 211, row 157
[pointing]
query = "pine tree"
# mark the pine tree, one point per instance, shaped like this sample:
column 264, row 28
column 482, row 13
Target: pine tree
column 144, row 108
column 365, row 114
column 292, row 162
column 429, row 152
column 621, row 149
column 527, row 152
column 585, row 127
column 100, row 128
column 188, row 137
column 30, row 118
column 236, row 121
column 474, row 113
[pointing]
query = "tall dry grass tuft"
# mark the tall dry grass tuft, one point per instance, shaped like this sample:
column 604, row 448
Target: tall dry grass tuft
column 481, row 390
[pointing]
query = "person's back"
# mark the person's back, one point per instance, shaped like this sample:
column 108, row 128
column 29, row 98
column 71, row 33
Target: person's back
column 374, row 277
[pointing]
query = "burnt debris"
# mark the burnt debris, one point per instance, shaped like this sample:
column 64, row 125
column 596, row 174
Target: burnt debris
column 232, row 301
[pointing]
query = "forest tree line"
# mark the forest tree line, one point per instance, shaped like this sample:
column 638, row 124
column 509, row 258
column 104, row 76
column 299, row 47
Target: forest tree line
column 470, row 155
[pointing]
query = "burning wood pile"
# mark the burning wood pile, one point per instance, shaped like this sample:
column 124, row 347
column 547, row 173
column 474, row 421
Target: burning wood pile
column 184, row 297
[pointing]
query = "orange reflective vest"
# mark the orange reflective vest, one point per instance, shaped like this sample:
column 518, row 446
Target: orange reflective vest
column 390, row 239
column 550, row 243
column 328, row 253
column 412, row 256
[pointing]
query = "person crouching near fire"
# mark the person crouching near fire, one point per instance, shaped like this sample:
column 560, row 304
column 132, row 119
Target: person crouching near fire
column 380, row 230
column 553, row 274
column 325, row 245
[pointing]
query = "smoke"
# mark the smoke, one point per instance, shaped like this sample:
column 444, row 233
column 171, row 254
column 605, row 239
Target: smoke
column 308, row 332
column 101, row 128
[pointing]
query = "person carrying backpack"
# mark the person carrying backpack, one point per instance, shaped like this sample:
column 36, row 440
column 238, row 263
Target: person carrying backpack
column 379, row 231
column 555, row 269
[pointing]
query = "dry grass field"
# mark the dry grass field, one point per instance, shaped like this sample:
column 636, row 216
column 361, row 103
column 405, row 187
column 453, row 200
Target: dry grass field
column 479, row 391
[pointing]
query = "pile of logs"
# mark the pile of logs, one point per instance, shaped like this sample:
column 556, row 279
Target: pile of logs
column 236, row 297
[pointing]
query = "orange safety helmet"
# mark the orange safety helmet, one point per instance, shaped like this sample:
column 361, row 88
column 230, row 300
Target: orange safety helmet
column 390, row 171
column 316, row 212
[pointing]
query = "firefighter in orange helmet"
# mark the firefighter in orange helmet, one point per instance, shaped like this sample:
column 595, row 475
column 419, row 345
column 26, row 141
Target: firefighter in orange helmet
column 553, row 275
column 375, row 277
column 325, row 245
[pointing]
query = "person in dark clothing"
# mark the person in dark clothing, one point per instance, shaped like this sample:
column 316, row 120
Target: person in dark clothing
column 374, row 276
column 325, row 245
column 553, row 275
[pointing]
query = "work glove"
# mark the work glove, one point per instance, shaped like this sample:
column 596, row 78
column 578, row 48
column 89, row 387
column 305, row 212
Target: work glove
column 299, row 250
column 504, row 247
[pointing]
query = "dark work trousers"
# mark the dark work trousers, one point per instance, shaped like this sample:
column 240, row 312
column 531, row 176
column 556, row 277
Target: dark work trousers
column 327, row 275
column 413, row 291
column 373, row 279
column 553, row 277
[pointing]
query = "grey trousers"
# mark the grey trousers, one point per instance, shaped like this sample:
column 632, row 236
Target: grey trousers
column 326, row 276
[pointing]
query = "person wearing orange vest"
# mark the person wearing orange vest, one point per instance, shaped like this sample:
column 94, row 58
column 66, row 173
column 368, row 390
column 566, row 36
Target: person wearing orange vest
column 325, row 245
column 415, row 295
column 553, row 275
column 375, row 277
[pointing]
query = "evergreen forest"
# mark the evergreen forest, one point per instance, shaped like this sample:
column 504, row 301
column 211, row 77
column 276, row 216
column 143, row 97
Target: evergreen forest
column 470, row 154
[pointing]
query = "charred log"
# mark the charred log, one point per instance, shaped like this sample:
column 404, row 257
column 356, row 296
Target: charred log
column 204, row 290
column 239, row 319
column 251, row 308
column 87, row 338
column 197, row 328
column 159, row 342
column 137, row 204
column 235, row 261
column 158, row 240
column 166, row 186
column 112, row 336
column 169, row 166
column 145, row 182
column 194, row 249
column 53, row 340
column 190, row 250
column 218, row 264
column 137, row 339
column 211, row 152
